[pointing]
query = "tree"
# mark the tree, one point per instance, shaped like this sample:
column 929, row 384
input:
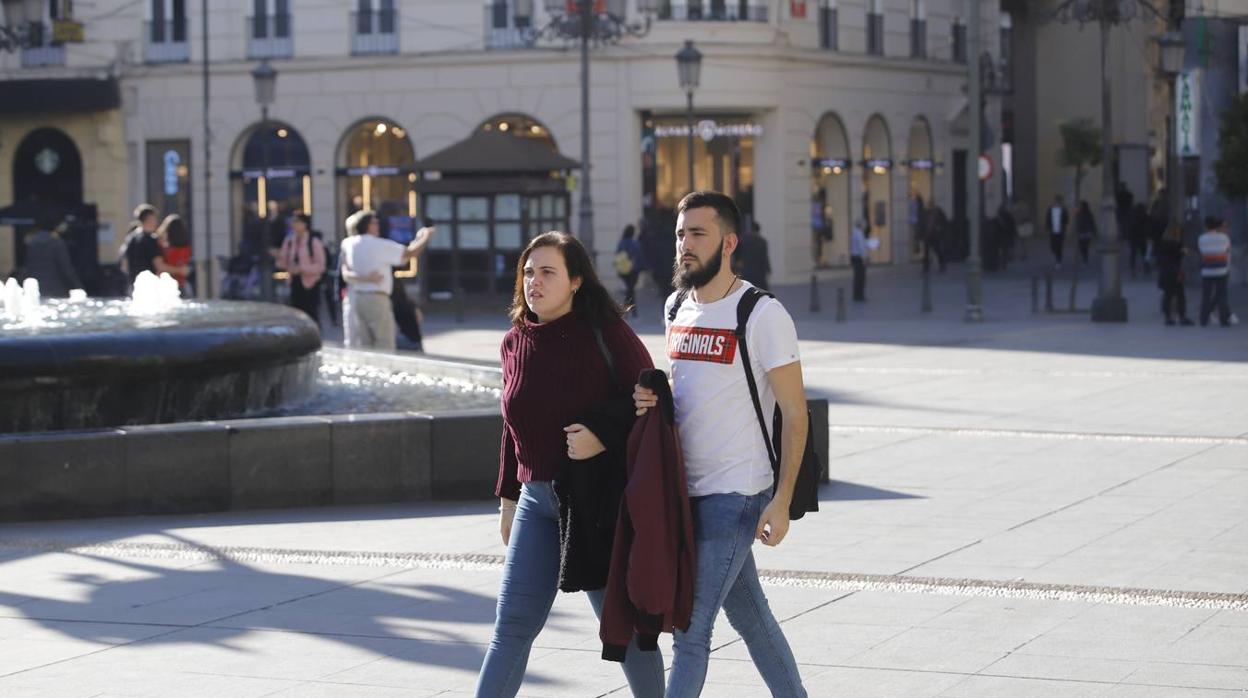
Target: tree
column 1231, row 167
column 1081, row 149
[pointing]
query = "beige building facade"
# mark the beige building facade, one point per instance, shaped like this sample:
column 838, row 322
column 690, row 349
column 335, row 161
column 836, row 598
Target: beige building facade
column 812, row 114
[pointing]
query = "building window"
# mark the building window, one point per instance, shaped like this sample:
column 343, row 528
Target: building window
column 41, row 49
column 504, row 29
column 918, row 29
column 164, row 37
column 828, row 37
column 714, row 10
column 374, row 28
column 959, row 40
column 875, row 28
column 269, row 30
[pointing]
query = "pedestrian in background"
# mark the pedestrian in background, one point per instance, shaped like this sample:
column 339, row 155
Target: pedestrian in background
column 1085, row 229
column 175, row 245
column 628, row 265
column 858, row 258
column 752, row 260
column 557, row 383
column 302, row 256
column 1170, row 278
column 1137, row 235
column 1056, row 221
column 366, row 260
column 47, row 261
column 1215, row 266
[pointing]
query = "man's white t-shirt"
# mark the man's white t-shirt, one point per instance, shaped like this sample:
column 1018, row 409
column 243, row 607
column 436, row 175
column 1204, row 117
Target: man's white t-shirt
column 719, row 434
column 365, row 254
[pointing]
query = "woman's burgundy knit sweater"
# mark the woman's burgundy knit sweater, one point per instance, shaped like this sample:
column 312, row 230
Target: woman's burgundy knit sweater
column 553, row 372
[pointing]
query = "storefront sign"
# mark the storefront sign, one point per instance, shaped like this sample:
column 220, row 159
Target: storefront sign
column 273, row 173
column 833, row 165
column 1187, row 111
column 922, row 164
column 708, row 130
column 171, row 160
column 876, row 164
column 374, row 171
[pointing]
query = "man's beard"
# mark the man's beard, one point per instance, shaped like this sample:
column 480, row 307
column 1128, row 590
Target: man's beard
column 688, row 279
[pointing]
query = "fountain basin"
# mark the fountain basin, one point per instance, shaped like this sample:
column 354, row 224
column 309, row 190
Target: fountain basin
column 98, row 364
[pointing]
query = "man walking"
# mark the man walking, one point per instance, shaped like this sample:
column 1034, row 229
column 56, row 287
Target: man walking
column 366, row 260
column 1215, row 265
column 858, row 258
column 726, row 459
column 1057, row 220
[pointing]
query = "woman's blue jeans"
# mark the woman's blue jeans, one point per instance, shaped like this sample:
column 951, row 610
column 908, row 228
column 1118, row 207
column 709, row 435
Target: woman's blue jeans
column 530, row 582
column 724, row 526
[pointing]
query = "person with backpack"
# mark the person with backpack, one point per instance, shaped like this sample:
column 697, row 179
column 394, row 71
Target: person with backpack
column 302, row 256
column 718, row 326
column 628, row 265
column 568, row 361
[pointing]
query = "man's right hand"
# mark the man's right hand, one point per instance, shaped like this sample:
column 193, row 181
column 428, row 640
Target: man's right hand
column 506, row 515
column 644, row 399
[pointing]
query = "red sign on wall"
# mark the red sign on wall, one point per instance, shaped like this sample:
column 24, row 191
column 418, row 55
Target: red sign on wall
column 797, row 9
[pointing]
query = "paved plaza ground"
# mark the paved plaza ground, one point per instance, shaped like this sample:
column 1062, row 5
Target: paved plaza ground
column 1030, row 506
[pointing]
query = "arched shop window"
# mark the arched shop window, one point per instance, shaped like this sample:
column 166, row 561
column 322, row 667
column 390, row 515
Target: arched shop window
column 877, row 166
column 272, row 178
column 520, row 126
column 375, row 171
column 921, row 167
column 831, row 165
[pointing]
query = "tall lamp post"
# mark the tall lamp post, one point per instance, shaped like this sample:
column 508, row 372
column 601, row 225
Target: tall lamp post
column 689, row 69
column 1172, row 50
column 974, row 89
column 1109, row 305
column 264, row 77
column 587, row 21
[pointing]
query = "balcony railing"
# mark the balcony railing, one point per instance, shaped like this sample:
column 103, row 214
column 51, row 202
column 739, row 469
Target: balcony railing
column 40, row 50
column 829, row 37
column 165, row 42
column 270, row 36
column 875, row 34
column 374, row 32
column 714, row 10
column 501, row 31
column 918, row 38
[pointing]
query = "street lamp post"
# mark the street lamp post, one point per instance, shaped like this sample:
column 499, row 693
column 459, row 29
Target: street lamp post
column 264, row 78
column 588, row 21
column 689, row 70
column 1172, row 50
column 1109, row 305
column 974, row 271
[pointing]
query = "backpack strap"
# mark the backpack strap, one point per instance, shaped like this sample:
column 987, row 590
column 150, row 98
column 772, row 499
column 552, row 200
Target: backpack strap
column 681, row 295
column 744, row 308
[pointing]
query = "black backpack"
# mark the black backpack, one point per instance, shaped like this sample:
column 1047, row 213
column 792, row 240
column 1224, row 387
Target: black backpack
column 806, row 490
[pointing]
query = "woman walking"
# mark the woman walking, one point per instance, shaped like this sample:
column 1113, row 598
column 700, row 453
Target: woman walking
column 1085, row 229
column 1169, row 254
column 569, row 363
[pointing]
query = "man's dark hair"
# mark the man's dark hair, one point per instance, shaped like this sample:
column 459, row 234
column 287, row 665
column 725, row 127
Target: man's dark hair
column 727, row 212
column 303, row 218
column 142, row 211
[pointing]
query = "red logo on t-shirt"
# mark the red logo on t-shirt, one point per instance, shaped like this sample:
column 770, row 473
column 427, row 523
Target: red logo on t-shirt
column 701, row 344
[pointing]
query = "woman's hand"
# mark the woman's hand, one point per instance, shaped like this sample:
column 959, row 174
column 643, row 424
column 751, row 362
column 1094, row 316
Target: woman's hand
column 506, row 514
column 644, row 399
column 582, row 444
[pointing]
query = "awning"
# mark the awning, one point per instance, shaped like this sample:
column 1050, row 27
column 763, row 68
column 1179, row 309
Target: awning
column 59, row 95
column 489, row 152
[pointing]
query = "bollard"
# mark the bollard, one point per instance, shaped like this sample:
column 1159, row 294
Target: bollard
column 1035, row 294
column 926, row 305
column 840, row 304
column 814, row 293
column 1074, row 284
column 1048, row 292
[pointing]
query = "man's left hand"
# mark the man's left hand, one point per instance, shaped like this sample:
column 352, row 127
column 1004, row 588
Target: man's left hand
column 773, row 525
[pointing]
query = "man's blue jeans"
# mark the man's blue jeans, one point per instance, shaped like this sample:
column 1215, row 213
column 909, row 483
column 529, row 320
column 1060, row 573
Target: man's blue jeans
column 530, row 582
column 724, row 526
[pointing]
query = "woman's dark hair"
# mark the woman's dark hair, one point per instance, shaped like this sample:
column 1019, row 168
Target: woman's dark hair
column 629, row 231
column 303, row 218
column 174, row 230
column 591, row 300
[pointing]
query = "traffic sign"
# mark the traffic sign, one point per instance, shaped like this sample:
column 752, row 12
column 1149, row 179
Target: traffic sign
column 985, row 168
